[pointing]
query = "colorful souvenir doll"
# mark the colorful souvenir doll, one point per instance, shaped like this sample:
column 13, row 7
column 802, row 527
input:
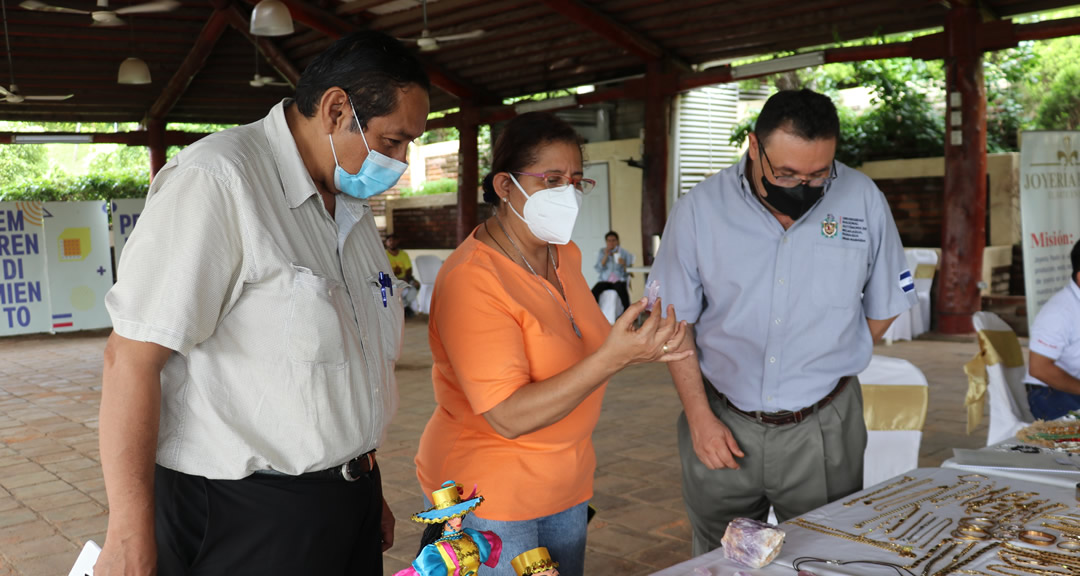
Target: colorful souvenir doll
column 446, row 548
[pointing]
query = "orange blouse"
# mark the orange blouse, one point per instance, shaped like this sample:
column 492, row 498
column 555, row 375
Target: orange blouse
column 493, row 328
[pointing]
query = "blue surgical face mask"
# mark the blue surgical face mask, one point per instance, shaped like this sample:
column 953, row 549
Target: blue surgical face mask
column 377, row 174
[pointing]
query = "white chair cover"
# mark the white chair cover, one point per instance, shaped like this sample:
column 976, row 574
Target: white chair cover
column 426, row 269
column 894, row 405
column 1005, row 371
column 923, row 270
column 610, row 305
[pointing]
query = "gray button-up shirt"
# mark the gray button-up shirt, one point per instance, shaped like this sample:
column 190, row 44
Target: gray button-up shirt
column 285, row 351
column 781, row 315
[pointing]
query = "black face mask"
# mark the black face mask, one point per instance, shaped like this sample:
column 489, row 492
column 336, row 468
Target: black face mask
column 792, row 202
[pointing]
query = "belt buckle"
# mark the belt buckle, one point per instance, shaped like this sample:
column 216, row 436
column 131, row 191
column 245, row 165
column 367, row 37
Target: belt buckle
column 798, row 416
column 345, row 468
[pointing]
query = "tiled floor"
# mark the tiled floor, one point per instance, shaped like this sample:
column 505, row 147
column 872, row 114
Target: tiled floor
column 52, row 496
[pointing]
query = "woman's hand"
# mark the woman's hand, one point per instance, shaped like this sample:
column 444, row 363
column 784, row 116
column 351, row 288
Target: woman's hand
column 657, row 340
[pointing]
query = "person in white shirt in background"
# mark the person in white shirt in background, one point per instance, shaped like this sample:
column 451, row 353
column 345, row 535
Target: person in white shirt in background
column 611, row 264
column 1053, row 383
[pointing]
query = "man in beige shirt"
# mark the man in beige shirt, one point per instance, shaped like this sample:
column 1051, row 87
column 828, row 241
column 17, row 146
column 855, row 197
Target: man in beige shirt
column 249, row 376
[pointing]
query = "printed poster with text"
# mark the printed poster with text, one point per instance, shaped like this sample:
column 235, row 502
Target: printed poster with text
column 24, row 296
column 79, row 264
column 125, row 213
column 1049, row 210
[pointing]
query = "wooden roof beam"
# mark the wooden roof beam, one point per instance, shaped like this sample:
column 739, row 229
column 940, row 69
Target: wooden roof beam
column 334, row 27
column 603, row 25
column 191, row 65
column 269, row 50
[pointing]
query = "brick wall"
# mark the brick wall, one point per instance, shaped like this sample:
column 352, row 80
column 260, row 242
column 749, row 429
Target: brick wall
column 443, row 166
column 431, row 227
column 917, row 205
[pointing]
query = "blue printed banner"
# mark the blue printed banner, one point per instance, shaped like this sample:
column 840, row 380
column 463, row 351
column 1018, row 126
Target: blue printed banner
column 24, row 292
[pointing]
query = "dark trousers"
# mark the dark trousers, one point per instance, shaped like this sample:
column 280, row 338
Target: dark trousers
column 1047, row 403
column 618, row 287
column 267, row 525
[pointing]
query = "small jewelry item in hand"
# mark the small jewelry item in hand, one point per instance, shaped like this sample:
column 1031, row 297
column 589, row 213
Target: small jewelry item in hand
column 665, row 349
column 652, row 292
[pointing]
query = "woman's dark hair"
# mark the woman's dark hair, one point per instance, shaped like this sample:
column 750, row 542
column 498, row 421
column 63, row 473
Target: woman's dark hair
column 432, row 532
column 519, row 144
column 370, row 66
column 610, row 234
column 804, row 113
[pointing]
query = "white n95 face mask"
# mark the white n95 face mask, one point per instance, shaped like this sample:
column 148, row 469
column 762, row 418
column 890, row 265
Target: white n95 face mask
column 550, row 213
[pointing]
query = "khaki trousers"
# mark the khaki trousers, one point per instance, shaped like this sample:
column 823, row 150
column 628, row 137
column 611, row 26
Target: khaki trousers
column 794, row 468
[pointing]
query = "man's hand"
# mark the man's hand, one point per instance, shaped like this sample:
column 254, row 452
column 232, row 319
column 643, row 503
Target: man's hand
column 714, row 444
column 127, row 557
column 386, row 527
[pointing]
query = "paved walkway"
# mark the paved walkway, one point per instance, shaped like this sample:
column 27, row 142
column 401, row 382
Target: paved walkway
column 52, row 496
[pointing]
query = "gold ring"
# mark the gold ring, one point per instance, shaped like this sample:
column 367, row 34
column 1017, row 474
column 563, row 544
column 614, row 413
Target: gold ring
column 1037, row 537
column 665, row 348
column 970, row 535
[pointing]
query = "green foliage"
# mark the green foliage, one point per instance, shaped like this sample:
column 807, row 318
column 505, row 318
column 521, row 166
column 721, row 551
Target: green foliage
column 440, row 186
column 123, row 161
column 1061, row 108
column 68, row 188
column 20, row 162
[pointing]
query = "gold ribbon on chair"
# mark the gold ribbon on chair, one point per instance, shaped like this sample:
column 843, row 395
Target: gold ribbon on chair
column 995, row 347
column 894, row 407
column 923, row 271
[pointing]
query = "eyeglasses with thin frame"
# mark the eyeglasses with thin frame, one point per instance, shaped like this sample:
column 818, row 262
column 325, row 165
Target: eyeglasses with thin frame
column 793, row 181
column 557, row 180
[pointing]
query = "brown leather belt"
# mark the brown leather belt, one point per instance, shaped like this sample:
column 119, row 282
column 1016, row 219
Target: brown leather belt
column 785, row 417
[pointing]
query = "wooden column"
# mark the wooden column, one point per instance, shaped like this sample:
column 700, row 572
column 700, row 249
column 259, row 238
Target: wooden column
column 658, row 90
column 155, row 132
column 963, row 236
column 468, row 174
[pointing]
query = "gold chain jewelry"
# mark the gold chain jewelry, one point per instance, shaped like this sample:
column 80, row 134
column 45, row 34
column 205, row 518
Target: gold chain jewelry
column 907, row 499
column 927, row 556
column 957, row 563
column 856, row 500
column 944, row 552
column 910, row 528
column 894, row 494
column 948, row 521
column 869, row 521
column 904, row 551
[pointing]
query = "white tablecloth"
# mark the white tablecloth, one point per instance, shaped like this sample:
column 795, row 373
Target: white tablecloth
column 801, row 542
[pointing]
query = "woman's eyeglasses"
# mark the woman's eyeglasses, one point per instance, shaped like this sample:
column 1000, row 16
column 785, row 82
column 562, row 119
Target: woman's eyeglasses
column 557, row 180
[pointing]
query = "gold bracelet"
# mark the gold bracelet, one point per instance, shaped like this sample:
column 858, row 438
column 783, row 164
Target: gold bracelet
column 985, row 523
column 1037, row 537
column 980, row 535
column 856, row 500
column 1070, row 545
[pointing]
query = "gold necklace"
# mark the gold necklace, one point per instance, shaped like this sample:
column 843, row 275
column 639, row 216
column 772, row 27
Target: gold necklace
column 568, row 311
column 904, row 551
column 856, row 500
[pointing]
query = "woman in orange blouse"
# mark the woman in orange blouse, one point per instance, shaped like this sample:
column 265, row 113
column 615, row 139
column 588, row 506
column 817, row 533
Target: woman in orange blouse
column 522, row 353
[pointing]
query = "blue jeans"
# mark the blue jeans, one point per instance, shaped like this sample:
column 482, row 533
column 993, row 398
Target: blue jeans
column 1049, row 404
column 563, row 533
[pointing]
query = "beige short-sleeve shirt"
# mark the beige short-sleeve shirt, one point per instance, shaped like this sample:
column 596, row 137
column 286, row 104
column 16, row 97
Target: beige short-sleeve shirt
column 285, row 350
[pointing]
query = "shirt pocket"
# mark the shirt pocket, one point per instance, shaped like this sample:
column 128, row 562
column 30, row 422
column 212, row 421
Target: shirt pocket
column 391, row 313
column 839, row 273
column 315, row 316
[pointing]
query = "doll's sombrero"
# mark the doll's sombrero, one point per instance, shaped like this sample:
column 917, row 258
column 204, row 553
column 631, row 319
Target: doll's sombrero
column 533, row 561
column 448, row 504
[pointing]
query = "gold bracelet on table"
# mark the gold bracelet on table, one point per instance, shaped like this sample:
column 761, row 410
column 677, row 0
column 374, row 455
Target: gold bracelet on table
column 1036, row 537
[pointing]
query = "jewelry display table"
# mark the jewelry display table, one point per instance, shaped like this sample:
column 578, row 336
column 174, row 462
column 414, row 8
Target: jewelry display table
column 928, row 522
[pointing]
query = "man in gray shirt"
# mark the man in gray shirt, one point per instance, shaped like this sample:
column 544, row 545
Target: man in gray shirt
column 250, row 374
column 789, row 266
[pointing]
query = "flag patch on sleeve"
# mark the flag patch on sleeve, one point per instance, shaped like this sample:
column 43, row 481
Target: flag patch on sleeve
column 907, row 284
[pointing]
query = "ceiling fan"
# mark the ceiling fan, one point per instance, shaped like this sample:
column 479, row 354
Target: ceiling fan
column 426, row 42
column 259, row 81
column 11, row 94
column 103, row 16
